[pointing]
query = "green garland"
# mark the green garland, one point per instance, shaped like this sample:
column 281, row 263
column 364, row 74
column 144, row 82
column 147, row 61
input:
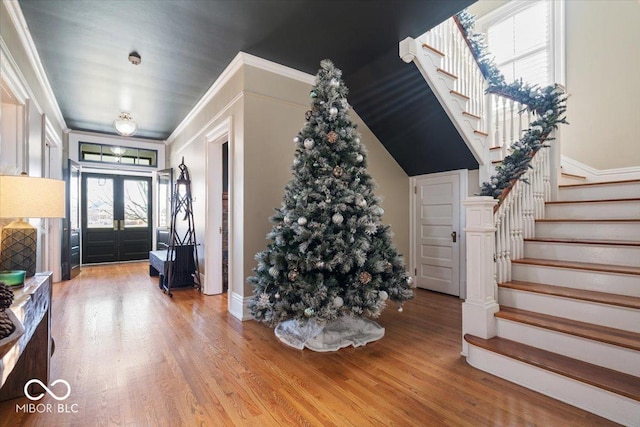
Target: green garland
column 548, row 104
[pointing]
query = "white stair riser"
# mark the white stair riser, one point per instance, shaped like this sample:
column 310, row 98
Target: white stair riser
column 625, row 231
column 595, row 210
column 569, row 180
column 617, row 408
column 601, row 254
column 595, row 352
column 622, row 284
column 583, row 311
column 602, row 191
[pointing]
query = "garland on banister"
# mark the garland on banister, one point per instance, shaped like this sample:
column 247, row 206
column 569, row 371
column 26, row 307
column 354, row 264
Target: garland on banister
column 548, row 104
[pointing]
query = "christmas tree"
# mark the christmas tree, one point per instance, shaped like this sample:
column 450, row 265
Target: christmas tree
column 329, row 254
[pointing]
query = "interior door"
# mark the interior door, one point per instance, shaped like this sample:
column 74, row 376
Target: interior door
column 116, row 220
column 71, row 228
column 437, row 240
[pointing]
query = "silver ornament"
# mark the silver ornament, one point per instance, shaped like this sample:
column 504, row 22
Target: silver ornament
column 296, row 139
column 337, row 218
column 296, row 161
column 338, row 302
column 356, row 140
column 308, row 143
column 334, row 83
column 333, row 111
column 277, row 295
column 274, row 272
column 410, row 280
column 383, row 295
column 359, row 158
column 309, row 311
column 302, row 221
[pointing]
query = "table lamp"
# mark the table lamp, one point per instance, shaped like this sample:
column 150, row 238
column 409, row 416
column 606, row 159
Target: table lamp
column 26, row 197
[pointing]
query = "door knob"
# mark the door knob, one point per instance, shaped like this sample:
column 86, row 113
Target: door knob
column 454, row 236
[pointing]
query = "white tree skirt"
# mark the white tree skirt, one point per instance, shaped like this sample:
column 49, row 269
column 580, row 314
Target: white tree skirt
column 330, row 336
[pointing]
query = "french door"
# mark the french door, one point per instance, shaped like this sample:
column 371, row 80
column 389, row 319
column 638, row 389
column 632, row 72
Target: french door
column 116, row 218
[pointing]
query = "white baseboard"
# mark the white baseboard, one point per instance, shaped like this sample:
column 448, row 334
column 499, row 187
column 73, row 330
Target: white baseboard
column 575, row 167
column 238, row 307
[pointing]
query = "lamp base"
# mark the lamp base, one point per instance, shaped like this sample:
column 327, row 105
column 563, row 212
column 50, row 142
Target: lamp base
column 19, row 247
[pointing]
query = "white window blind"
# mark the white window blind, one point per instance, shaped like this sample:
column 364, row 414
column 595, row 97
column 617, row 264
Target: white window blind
column 521, row 44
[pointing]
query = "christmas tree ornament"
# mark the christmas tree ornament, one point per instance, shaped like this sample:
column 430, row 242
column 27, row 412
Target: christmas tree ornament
column 410, row 280
column 309, row 312
column 273, row 271
column 361, row 202
column 302, row 221
column 320, row 264
column 296, row 139
column 338, row 302
column 296, row 161
column 293, row 275
column 365, row 277
column 356, row 140
column 277, row 295
column 308, row 143
column 313, row 94
column 337, row 218
column 287, row 219
column 338, row 171
column 359, row 158
column 333, row 111
column 334, row 83
column 383, row 295
column 307, row 115
column 332, row 137
column 400, row 309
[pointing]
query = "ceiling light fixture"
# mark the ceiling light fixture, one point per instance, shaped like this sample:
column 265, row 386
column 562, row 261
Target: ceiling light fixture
column 125, row 125
column 134, row 58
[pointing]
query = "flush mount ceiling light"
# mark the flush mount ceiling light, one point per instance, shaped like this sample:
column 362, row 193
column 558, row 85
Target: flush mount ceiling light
column 125, row 125
column 134, row 58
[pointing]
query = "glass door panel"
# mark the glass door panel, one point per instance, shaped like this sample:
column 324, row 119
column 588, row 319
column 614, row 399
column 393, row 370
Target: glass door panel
column 99, row 194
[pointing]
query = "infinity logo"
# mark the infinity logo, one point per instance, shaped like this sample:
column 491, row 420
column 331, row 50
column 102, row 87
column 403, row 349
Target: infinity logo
column 38, row 397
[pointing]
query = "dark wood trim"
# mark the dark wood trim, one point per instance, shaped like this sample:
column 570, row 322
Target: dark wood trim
column 607, row 379
column 446, row 73
column 461, row 95
column 473, row 116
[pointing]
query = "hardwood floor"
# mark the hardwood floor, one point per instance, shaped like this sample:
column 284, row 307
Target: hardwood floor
column 135, row 357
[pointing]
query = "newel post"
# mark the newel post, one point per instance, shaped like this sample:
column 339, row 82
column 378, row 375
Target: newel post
column 480, row 304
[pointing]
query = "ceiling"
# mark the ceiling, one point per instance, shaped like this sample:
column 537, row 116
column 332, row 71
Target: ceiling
column 186, row 44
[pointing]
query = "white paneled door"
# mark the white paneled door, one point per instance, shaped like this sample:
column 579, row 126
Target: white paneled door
column 437, row 232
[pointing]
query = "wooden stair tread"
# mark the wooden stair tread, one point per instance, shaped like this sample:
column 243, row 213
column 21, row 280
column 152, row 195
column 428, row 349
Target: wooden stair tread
column 571, row 175
column 558, row 202
column 587, row 220
column 618, row 337
column 432, row 49
column 446, row 73
column 604, row 378
column 461, row 95
column 573, row 293
column 468, row 114
column 583, row 241
column 479, row 132
column 622, row 269
column 585, row 184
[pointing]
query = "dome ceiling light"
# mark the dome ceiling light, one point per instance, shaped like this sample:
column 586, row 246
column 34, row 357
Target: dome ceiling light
column 125, row 125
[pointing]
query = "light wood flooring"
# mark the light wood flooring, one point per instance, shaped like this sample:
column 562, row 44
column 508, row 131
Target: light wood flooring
column 135, row 357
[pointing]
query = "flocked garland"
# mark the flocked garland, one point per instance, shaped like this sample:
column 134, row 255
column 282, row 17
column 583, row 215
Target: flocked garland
column 548, row 104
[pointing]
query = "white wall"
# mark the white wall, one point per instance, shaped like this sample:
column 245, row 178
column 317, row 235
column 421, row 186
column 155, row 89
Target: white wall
column 603, row 65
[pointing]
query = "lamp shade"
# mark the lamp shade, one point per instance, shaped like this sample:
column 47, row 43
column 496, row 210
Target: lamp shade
column 125, row 125
column 31, row 197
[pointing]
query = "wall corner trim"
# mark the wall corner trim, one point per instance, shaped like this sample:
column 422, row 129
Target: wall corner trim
column 240, row 60
column 20, row 24
column 238, row 307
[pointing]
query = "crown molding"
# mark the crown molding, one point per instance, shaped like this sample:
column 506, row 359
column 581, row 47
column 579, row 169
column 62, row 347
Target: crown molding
column 240, row 60
column 20, row 24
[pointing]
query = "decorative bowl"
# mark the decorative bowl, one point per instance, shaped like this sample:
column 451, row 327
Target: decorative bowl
column 18, row 330
column 12, row 278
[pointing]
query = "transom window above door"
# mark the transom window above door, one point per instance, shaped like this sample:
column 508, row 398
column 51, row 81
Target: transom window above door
column 104, row 153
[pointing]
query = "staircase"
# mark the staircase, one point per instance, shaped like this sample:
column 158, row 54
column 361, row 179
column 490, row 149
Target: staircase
column 564, row 316
column 569, row 319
